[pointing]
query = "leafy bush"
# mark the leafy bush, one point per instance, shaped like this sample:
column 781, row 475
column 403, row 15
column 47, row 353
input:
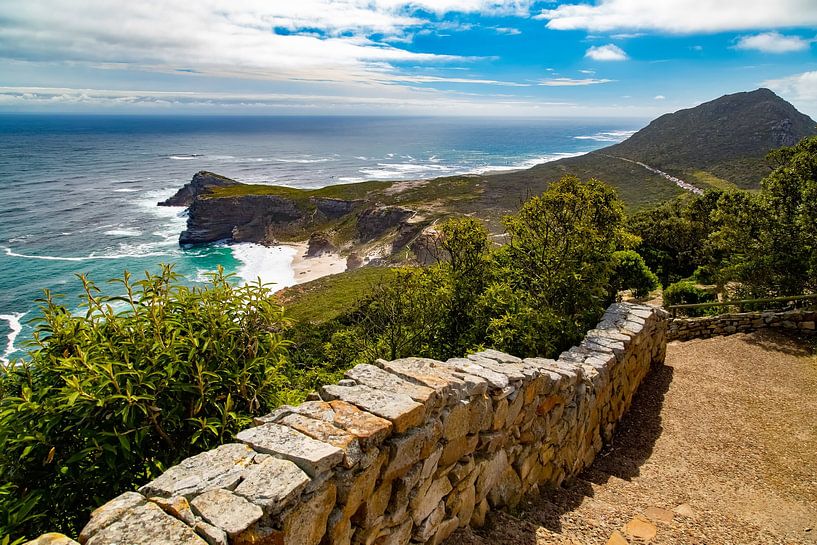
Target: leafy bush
column 686, row 293
column 110, row 398
column 631, row 273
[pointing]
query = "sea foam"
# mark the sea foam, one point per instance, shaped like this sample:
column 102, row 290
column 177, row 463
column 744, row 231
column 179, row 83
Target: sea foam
column 273, row 265
column 15, row 326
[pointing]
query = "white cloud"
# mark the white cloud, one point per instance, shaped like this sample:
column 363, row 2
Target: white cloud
column 319, row 40
column 659, row 97
column 570, row 82
column 609, row 52
column 508, row 31
column 587, row 71
column 797, row 88
column 773, row 42
column 682, row 16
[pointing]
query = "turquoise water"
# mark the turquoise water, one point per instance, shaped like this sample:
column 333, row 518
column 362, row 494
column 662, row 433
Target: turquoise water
column 78, row 194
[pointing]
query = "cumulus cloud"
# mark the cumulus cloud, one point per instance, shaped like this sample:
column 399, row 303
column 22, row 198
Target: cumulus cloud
column 798, row 87
column 682, row 16
column 659, row 97
column 773, row 42
column 336, row 40
column 609, row 52
column 570, row 82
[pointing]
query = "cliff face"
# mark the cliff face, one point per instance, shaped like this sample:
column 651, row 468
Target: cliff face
column 203, row 182
column 246, row 218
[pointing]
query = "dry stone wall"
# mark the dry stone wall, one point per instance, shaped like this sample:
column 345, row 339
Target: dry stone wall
column 401, row 452
column 685, row 329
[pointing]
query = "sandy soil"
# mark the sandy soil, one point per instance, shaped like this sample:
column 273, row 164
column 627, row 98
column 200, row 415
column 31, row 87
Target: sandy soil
column 720, row 447
column 310, row 268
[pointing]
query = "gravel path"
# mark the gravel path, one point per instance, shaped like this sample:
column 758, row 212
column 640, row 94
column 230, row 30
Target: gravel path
column 720, row 447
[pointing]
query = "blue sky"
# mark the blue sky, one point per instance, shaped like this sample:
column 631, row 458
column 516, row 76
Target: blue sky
column 627, row 58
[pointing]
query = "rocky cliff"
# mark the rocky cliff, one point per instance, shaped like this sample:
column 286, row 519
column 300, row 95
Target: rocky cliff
column 203, row 182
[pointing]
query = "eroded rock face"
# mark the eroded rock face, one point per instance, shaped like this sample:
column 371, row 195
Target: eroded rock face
column 319, row 244
column 201, row 183
column 374, row 222
column 248, row 218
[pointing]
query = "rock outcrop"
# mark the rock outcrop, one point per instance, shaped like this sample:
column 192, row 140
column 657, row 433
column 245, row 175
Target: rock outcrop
column 201, row 183
column 374, row 222
column 246, row 218
column 319, row 243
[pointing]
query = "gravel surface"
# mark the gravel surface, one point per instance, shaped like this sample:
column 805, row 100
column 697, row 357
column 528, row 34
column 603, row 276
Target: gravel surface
column 719, row 447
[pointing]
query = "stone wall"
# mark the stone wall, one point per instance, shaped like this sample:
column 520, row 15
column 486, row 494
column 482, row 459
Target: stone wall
column 400, row 452
column 685, row 329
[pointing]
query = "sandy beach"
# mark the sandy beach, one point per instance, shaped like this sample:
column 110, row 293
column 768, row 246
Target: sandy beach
column 306, row 268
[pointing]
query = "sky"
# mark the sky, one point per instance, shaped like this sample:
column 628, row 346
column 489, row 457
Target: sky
column 608, row 58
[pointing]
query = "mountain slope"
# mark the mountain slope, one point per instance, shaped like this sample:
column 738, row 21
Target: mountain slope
column 718, row 144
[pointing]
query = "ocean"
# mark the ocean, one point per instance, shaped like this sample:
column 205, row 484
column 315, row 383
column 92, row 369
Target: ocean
column 78, row 193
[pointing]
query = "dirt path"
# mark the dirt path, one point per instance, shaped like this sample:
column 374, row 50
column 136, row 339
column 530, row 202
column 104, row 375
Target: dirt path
column 722, row 439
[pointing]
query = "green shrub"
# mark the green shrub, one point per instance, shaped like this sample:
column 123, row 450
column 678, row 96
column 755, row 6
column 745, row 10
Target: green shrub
column 631, row 273
column 110, row 398
column 686, row 293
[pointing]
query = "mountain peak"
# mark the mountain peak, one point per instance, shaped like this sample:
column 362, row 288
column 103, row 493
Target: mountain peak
column 728, row 137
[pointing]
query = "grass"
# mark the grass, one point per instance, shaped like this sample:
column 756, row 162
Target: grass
column 328, row 297
column 352, row 191
column 710, row 181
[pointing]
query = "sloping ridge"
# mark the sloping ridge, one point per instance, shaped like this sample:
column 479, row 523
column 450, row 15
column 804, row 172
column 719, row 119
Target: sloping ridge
column 724, row 140
column 718, row 134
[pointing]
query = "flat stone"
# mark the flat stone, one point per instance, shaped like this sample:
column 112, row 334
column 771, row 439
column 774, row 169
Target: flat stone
column 108, row 513
column 312, row 456
column 177, row 506
column 211, row 534
column 617, row 539
column 420, row 371
column 515, row 372
column 641, row 528
column 456, row 421
column 422, row 504
column 306, row 524
column 369, row 429
column 377, row 378
column 656, row 514
column 684, row 510
column 501, row 357
column 226, row 510
column 52, row 538
column 274, row 484
column 402, row 411
column 327, row 433
column 426, row 529
column 145, row 524
column 495, row 380
column 218, row 468
column 446, row 528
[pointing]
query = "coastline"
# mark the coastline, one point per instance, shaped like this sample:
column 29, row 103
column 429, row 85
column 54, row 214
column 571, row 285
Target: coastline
column 306, row 269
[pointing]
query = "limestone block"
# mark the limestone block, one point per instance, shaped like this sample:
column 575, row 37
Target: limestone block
column 426, row 529
column 481, row 416
column 490, row 471
column 110, row 512
column 143, row 524
column 338, row 529
column 430, row 463
column 407, row 450
column 375, row 505
column 398, row 536
column 480, row 512
column 52, row 538
column 312, row 456
column 221, row 467
column 327, row 433
column 177, row 506
column 402, row 411
column 226, row 510
column 456, row 421
column 423, row 503
column 211, row 534
column 459, row 447
column 445, row 529
column 514, row 371
column 495, row 380
column 273, row 485
column 355, row 487
column 507, row 490
column 306, row 523
column 423, row 371
column 377, row 378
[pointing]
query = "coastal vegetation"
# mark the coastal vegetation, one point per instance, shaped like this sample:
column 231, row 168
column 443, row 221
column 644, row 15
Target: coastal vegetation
column 109, row 398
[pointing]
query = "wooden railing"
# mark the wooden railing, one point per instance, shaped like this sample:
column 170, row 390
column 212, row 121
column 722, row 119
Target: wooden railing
column 743, row 302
